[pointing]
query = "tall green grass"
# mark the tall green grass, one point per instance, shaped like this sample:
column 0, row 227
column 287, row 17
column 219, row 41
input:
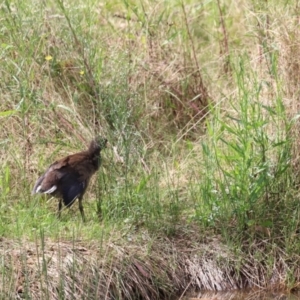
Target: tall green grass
column 248, row 172
column 72, row 71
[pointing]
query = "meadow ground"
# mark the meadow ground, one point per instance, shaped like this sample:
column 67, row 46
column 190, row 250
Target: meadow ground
column 199, row 188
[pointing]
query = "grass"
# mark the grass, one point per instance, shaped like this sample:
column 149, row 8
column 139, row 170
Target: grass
column 199, row 102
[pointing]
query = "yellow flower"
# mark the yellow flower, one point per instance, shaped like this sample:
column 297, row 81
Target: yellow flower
column 48, row 57
column 81, row 72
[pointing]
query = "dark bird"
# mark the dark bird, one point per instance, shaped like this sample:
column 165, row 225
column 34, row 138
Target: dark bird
column 68, row 178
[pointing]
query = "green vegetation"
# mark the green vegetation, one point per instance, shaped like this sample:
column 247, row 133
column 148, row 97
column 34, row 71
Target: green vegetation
column 199, row 101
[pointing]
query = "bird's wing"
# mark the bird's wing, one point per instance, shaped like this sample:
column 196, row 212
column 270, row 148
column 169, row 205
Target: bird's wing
column 47, row 182
column 71, row 188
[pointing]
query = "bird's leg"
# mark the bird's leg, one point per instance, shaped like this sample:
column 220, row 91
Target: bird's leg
column 59, row 208
column 81, row 209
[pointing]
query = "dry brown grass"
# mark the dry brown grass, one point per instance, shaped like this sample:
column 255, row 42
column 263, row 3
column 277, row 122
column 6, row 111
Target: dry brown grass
column 169, row 267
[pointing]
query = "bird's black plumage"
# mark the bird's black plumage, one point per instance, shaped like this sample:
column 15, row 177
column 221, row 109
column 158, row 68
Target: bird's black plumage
column 68, row 178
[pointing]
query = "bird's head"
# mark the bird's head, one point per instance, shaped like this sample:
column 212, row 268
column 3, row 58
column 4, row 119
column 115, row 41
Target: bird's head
column 98, row 144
